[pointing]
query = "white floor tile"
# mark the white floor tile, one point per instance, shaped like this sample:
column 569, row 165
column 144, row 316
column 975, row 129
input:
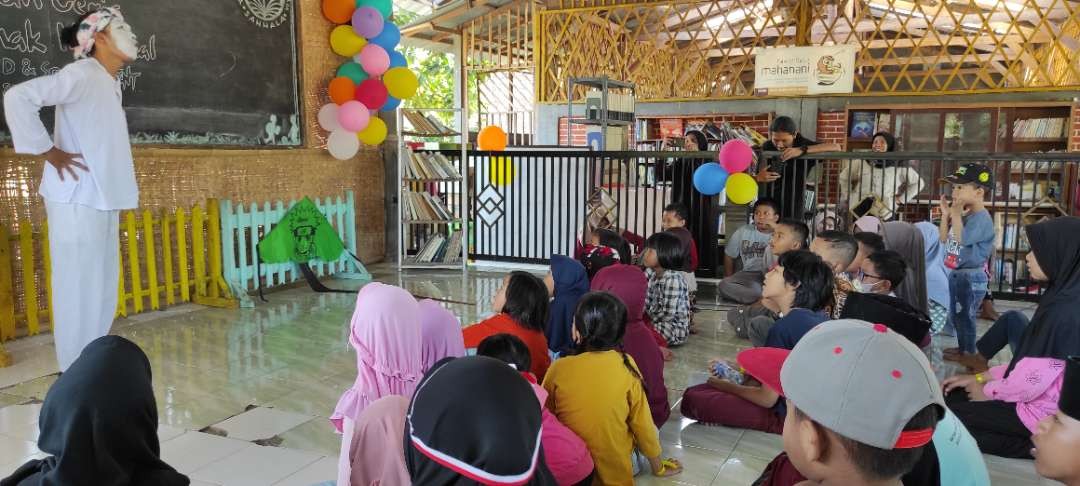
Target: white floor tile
column 194, row 450
column 261, row 423
column 324, row 469
column 166, row 433
column 18, row 416
column 256, row 466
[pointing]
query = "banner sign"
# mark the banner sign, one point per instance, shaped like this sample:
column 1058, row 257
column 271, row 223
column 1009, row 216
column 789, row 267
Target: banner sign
column 789, row 71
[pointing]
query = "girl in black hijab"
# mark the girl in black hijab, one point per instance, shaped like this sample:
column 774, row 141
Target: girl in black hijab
column 1054, row 331
column 99, row 424
column 702, row 219
column 474, row 420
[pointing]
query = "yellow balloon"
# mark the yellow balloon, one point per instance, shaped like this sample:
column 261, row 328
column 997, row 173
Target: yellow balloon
column 400, row 82
column 741, row 188
column 375, row 132
column 501, row 171
column 345, row 42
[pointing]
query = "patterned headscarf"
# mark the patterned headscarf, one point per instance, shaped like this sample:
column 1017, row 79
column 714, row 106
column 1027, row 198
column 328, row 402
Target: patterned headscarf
column 91, row 25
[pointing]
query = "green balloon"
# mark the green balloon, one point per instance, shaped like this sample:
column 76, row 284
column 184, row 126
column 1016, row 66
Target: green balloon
column 353, row 71
column 385, row 7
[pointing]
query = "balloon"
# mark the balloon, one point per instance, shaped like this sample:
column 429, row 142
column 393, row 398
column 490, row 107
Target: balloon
column 374, row 59
column 736, row 156
column 391, row 104
column 383, row 6
column 342, row 89
column 389, row 38
column 375, row 132
column 709, row 179
column 353, row 116
column 400, row 82
column 397, row 59
column 741, row 188
column 352, row 71
column 367, row 22
column 491, row 138
column 328, row 117
column 342, row 144
column 345, row 42
column 371, row 92
column 338, row 11
column 501, row 171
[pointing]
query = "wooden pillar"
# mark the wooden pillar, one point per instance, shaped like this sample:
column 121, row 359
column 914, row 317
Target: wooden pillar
column 803, row 16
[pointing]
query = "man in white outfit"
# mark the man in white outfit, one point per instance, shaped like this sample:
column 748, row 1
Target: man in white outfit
column 89, row 176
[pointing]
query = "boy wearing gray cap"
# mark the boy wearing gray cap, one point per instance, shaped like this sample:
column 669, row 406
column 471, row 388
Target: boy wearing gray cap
column 1057, row 440
column 862, row 402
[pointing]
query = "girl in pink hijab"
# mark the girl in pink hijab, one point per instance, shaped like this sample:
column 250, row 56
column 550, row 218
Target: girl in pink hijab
column 386, row 335
column 377, row 456
column 440, row 334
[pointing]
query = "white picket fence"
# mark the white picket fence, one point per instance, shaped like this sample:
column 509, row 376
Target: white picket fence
column 242, row 228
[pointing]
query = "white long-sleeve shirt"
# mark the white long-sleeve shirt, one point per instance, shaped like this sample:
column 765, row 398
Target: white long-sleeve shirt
column 90, row 121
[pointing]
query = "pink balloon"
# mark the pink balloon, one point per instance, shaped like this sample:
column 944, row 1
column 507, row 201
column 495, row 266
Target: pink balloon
column 374, row 59
column 736, row 156
column 372, row 92
column 367, row 22
column 353, row 116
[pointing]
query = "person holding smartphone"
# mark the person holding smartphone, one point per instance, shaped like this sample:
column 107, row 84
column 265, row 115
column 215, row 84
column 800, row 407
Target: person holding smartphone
column 784, row 179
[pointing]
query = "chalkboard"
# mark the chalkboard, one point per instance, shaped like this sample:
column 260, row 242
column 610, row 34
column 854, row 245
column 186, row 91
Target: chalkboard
column 209, row 72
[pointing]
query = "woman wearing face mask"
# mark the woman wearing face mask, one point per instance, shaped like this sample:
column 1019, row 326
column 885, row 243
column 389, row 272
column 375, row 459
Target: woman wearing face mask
column 89, row 175
column 876, row 187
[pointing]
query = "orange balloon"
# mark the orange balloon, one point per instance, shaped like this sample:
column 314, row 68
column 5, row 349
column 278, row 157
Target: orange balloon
column 338, row 11
column 342, row 89
column 491, row 138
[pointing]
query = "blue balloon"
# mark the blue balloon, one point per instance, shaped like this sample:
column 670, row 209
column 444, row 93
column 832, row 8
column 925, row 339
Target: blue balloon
column 397, row 59
column 391, row 104
column 389, row 37
column 710, row 178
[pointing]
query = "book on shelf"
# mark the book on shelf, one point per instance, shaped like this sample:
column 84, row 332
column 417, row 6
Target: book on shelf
column 430, row 165
column 440, row 249
column 863, row 124
column 427, row 123
column 1040, row 128
column 423, row 206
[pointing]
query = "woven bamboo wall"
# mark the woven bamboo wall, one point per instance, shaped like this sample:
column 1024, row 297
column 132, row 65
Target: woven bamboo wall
column 174, row 177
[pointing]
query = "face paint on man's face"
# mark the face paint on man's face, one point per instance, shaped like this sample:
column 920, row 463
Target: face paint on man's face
column 124, row 38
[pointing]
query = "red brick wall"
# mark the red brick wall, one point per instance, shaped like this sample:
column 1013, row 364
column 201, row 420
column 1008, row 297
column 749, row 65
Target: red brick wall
column 831, row 128
column 1074, row 139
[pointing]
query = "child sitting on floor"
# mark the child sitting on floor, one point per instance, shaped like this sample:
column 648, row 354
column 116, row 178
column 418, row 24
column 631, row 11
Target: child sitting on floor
column 599, row 394
column 668, row 299
column 838, row 250
column 521, row 305
column 750, row 245
column 629, row 284
column 882, row 273
column 788, row 235
column 802, row 285
column 674, row 222
column 862, row 402
column 565, row 453
column 1058, row 437
column 566, row 282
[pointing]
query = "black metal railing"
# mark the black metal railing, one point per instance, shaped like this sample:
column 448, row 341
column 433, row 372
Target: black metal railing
column 525, row 205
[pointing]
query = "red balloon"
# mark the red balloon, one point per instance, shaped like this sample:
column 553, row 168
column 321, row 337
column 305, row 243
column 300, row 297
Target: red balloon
column 372, row 93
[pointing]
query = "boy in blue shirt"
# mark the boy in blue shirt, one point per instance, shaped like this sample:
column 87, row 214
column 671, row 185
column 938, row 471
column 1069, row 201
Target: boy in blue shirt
column 967, row 230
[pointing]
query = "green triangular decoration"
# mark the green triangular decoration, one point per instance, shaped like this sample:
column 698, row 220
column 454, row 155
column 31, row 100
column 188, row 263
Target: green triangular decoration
column 301, row 236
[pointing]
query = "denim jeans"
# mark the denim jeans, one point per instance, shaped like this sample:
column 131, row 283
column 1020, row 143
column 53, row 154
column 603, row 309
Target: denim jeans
column 967, row 287
column 1006, row 331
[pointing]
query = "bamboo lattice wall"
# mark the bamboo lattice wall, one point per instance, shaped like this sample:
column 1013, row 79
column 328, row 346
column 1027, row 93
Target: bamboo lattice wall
column 704, row 49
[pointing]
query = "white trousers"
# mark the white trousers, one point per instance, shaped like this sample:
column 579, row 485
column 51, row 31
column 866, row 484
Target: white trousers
column 84, row 247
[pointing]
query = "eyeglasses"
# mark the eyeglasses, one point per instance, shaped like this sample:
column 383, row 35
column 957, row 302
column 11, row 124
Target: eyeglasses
column 863, row 275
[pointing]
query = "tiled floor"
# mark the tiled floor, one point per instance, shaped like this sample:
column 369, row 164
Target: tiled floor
column 243, row 395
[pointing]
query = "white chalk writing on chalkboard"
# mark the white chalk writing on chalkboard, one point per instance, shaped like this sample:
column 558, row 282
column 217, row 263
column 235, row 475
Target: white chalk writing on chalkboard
column 25, row 41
